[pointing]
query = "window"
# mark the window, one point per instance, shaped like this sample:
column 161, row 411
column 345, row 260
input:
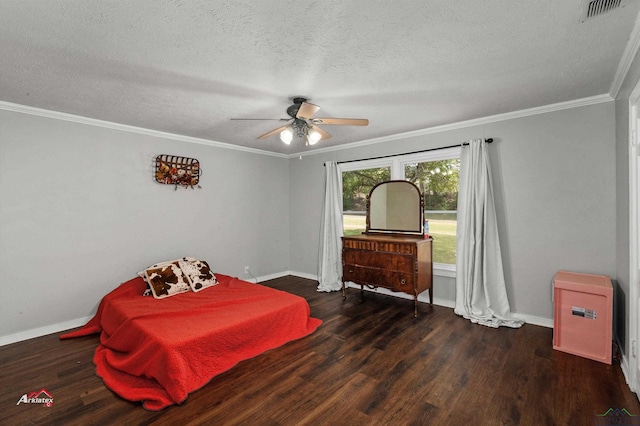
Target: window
column 434, row 172
column 356, row 185
column 438, row 182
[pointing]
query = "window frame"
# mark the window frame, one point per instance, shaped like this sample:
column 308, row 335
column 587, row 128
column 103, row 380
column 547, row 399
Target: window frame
column 397, row 166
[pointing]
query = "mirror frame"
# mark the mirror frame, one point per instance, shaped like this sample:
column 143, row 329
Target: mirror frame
column 419, row 230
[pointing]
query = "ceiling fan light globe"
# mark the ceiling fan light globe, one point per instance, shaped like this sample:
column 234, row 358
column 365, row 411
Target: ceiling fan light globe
column 313, row 137
column 286, row 136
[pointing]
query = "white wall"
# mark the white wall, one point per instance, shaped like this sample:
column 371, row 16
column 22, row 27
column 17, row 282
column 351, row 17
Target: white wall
column 554, row 178
column 80, row 213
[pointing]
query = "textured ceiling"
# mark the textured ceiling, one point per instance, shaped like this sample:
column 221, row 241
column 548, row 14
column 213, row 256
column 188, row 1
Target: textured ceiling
column 188, row 67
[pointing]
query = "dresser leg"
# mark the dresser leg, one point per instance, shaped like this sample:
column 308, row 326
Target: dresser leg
column 415, row 306
column 344, row 295
column 431, row 295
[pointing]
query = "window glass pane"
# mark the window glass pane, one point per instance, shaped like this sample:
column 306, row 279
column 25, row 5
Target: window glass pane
column 438, row 182
column 356, row 185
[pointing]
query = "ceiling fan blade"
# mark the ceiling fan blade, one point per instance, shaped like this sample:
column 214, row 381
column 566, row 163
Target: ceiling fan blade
column 273, row 132
column 307, row 110
column 260, row 119
column 324, row 134
column 341, row 121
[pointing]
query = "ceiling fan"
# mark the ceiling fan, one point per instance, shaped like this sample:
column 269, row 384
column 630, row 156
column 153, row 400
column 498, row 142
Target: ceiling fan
column 302, row 124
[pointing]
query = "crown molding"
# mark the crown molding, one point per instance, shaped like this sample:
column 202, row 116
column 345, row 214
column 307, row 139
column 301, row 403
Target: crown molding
column 8, row 106
column 629, row 54
column 576, row 103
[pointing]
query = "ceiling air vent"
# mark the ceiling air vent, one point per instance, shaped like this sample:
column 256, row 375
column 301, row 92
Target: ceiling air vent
column 593, row 8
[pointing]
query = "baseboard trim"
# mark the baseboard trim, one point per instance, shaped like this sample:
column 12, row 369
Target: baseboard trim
column 625, row 367
column 271, row 276
column 534, row 320
column 43, row 331
column 303, row 275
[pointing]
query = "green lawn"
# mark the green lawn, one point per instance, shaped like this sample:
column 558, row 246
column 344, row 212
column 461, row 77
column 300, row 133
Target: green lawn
column 442, row 231
column 353, row 222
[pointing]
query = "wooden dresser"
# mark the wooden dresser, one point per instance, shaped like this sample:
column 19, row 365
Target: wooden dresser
column 396, row 262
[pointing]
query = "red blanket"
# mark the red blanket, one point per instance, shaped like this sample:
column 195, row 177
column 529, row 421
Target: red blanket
column 159, row 350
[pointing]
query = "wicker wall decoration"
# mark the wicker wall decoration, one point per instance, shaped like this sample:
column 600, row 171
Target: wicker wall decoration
column 178, row 171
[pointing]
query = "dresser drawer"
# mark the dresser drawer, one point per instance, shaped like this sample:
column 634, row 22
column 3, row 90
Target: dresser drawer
column 384, row 260
column 380, row 246
column 378, row 277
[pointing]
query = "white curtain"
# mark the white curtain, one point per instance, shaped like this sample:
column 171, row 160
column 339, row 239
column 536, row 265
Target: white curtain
column 481, row 294
column 329, row 256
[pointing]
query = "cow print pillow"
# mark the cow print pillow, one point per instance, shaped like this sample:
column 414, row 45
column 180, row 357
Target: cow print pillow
column 198, row 274
column 143, row 274
column 166, row 280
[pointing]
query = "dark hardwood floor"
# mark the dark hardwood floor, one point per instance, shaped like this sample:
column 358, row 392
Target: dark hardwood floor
column 369, row 363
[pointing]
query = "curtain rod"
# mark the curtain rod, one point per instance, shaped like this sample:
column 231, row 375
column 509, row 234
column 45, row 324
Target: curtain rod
column 488, row 140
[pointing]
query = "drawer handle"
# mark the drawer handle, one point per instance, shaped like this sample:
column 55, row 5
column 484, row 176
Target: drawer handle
column 403, row 281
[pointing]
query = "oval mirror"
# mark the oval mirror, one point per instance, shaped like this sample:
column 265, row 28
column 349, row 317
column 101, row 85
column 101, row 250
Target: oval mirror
column 395, row 206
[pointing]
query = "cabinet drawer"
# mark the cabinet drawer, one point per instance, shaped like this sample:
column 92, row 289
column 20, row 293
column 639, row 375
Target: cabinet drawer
column 394, row 280
column 379, row 245
column 382, row 260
